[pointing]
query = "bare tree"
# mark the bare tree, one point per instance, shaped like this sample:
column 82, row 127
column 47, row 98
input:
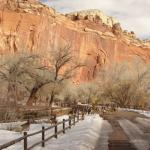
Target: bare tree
column 24, row 71
column 38, row 79
column 69, row 93
column 125, row 84
column 29, row 72
column 13, row 70
column 87, row 92
column 63, row 67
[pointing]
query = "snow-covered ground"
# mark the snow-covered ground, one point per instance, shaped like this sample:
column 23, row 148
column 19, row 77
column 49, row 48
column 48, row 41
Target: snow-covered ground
column 10, row 126
column 143, row 112
column 102, row 143
column 13, row 125
column 144, row 122
column 83, row 136
column 11, row 135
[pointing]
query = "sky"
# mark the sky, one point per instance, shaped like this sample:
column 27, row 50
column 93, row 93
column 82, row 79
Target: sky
column 134, row 15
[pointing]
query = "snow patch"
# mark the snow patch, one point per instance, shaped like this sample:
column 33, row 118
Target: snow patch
column 143, row 121
column 84, row 135
column 11, row 125
column 143, row 112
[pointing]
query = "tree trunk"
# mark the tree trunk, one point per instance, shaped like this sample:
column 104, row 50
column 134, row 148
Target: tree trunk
column 11, row 94
column 51, row 101
column 32, row 97
column 52, row 98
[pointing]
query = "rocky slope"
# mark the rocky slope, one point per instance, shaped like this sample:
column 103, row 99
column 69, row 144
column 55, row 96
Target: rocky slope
column 28, row 25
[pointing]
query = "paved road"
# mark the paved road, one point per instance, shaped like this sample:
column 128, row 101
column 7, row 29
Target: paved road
column 130, row 131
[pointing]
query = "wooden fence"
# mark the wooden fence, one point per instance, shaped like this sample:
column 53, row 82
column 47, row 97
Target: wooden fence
column 66, row 124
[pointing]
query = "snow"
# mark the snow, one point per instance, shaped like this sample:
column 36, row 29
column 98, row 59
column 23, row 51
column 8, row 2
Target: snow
column 143, row 112
column 11, row 125
column 102, row 143
column 83, row 136
column 143, row 121
column 11, row 135
column 8, row 136
column 60, row 118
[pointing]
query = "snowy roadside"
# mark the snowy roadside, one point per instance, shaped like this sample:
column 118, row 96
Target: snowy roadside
column 142, row 112
column 83, row 136
column 143, row 121
column 11, row 135
column 11, row 125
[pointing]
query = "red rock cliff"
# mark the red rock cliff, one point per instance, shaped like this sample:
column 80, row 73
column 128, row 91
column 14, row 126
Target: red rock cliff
column 96, row 39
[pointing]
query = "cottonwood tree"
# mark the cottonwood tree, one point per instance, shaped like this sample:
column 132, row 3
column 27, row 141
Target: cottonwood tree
column 39, row 77
column 88, row 92
column 142, row 77
column 24, row 71
column 63, row 67
column 124, row 84
column 69, row 93
column 34, row 75
column 12, row 72
column 60, row 68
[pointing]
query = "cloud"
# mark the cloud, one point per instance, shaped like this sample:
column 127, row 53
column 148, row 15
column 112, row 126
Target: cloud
column 134, row 15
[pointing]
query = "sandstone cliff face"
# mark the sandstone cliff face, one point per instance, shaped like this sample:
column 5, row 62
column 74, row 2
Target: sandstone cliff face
column 27, row 25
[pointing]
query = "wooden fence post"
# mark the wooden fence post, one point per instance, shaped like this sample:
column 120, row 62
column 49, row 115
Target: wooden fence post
column 43, row 136
column 56, row 130
column 78, row 117
column 82, row 116
column 74, row 119
column 64, row 126
column 25, row 141
column 70, row 122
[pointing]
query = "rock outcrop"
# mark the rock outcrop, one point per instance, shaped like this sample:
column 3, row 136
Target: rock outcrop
column 94, row 16
column 116, row 29
column 28, row 25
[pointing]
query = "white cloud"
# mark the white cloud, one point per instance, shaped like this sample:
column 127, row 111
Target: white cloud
column 134, row 15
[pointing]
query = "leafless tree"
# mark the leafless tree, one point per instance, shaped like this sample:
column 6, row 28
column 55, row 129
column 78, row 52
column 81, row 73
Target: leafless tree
column 85, row 92
column 38, row 79
column 69, row 93
column 13, row 70
column 63, row 67
column 125, row 84
column 31, row 73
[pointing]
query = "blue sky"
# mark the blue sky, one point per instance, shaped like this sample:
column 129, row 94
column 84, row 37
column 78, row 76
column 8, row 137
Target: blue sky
column 134, row 15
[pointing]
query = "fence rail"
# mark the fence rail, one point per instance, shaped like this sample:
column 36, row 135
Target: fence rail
column 66, row 124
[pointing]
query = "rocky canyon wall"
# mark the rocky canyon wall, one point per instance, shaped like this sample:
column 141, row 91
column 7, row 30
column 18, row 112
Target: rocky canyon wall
column 96, row 39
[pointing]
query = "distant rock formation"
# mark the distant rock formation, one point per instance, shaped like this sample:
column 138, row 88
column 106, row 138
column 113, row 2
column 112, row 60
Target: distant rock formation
column 92, row 15
column 116, row 29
